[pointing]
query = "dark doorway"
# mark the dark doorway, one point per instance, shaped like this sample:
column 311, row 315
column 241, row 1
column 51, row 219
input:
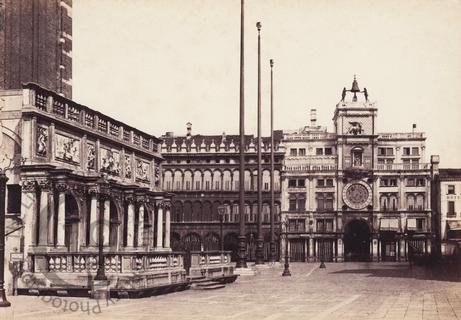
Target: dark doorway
column 357, row 241
column 297, row 250
column 231, row 243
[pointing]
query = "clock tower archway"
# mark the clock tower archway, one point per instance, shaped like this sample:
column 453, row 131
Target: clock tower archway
column 357, row 241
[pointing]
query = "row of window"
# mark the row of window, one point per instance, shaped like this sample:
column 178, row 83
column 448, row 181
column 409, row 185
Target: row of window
column 407, row 151
column 325, row 201
column 301, row 183
column 299, row 225
column 207, row 211
column 226, row 160
column 294, row 152
column 217, row 180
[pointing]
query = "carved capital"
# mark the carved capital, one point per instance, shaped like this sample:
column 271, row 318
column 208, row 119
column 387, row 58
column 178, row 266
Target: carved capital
column 130, row 199
column 160, row 204
column 61, row 187
column 45, row 185
column 29, row 186
column 167, row 205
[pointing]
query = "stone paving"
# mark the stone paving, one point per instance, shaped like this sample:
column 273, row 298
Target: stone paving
column 341, row 291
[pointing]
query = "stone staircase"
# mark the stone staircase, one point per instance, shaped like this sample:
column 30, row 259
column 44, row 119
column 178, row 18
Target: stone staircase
column 202, row 283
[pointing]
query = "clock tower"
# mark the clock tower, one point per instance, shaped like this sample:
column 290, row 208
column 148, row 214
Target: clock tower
column 354, row 122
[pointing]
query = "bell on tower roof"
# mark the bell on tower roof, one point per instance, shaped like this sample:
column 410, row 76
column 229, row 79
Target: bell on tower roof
column 355, row 85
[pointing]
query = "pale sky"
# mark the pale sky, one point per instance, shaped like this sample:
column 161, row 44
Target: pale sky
column 157, row 64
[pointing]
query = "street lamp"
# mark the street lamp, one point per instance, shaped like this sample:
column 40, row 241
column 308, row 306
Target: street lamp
column 221, row 213
column 286, row 267
column 6, row 164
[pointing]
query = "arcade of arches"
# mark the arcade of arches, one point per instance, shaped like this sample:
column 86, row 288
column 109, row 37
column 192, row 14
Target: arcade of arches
column 65, row 215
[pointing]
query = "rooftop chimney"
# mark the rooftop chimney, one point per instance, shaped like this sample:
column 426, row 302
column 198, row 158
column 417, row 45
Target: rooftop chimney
column 189, row 130
column 169, row 134
column 313, row 117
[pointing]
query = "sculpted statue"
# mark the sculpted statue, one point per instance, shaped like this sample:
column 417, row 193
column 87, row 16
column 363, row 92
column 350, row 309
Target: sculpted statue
column 355, row 128
column 42, row 139
column 343, row 96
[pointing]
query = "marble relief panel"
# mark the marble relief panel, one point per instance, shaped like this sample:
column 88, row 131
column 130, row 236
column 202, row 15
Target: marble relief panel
column 67, row 148
column 142, row 170
column 110, row 161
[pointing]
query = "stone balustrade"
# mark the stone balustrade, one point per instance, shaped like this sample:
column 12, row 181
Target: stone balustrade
column 114, row 262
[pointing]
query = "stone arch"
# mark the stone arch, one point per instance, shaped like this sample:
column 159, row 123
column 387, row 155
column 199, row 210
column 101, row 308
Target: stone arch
column 266, row 210
column 217, row 180
column 187, row 180
column 192, row 242
column 187, row 211
column 178, row 176
column 235, row 180
column 207, row 208
column 276, row 180
column 196, row 211
column 226, row 180
column 235, row 212
column 177, row 211
column 214, row 211
column 207, row 180
column 197, row 180
column 357, row 237
column 72, row 219
column 211, row 242
column 247, row 178
column 175, row 242
column 168, row 180
column 266, row 180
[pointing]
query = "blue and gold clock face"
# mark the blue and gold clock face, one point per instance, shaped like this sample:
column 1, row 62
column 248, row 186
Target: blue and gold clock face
column 357, row 195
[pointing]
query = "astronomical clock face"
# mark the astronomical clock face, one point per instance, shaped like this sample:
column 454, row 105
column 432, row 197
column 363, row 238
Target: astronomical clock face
column 357, row 195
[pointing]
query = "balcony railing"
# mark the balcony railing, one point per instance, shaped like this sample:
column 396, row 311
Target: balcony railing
column 114, row 262
column 61, row 107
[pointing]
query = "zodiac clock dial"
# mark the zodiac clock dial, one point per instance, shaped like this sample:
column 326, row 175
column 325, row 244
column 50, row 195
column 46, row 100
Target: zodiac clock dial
column 357, row 195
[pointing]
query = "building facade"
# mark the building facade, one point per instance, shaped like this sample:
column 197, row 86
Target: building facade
column 448, row 183
column 355, row 194
column 69, row 166
column 203, row 173
column 36, row 44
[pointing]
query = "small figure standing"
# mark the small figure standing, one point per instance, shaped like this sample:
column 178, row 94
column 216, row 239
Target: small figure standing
column 365, row 93
column 343, row 96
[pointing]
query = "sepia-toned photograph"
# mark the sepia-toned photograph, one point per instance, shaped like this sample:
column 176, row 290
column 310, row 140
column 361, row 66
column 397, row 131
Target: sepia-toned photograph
column 230, row 159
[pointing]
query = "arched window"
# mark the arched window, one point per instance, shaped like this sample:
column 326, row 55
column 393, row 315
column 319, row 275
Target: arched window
column 266, row 180
column 235, row 212
column 227, row 180
column 420, row 202
column 384, row 203
column 187, row 180
column 197, row 180
column 196, row 211
column 168, row 180
column 177, row 180
column 247, row 180
column 254, row 212
column 266, row 212
column 277, row 212
column 236, row 181
column 187, row 211
column 206, row 211
column 356, row 156
column 217, row 180
column 247, row 212
column 206, row 180
column 177, row 211
column 410, row 202
column 276, row 180
column 393, row 203
column 227, row 213
column 254, row 178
